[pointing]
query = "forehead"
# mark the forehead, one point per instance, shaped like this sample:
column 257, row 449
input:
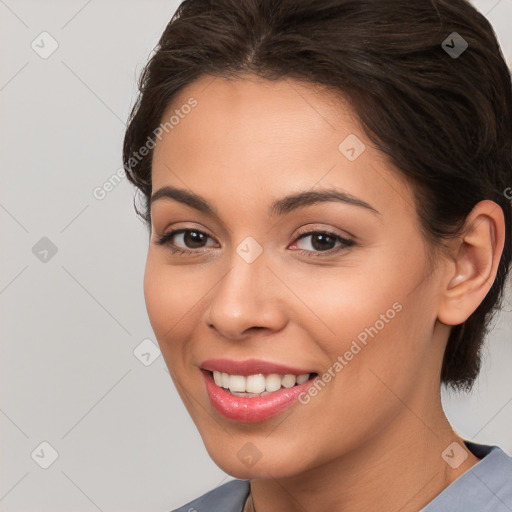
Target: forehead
column 255, row 111
column 253, row 137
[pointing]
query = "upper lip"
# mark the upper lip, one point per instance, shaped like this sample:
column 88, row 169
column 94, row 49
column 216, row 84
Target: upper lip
column 250, row 367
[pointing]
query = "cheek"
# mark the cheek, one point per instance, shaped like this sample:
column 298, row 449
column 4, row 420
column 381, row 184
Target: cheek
column 375, row 315
column 158, row 295
column 382, row 353
column 341, row 304
column 172, row 297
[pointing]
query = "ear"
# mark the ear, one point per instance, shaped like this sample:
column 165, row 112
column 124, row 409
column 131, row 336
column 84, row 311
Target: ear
column 475, row 259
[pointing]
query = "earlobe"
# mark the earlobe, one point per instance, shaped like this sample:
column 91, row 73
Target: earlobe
column 474, row 267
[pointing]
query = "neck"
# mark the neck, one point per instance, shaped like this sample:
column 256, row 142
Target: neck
column 400, row 469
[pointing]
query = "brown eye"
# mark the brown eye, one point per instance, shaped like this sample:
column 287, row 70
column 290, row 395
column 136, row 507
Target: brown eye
column 322, row 242
column 184, row 240
column 194, row 239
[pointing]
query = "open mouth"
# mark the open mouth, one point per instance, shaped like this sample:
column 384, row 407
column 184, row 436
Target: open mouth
column 257, row 385
column 255, row 397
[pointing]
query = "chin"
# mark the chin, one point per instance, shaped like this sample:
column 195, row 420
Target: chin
column 273, row 466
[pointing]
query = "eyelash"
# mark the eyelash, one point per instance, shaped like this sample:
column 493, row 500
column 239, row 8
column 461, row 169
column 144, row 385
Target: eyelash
column 345, row 243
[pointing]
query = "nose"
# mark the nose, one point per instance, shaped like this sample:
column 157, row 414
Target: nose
column 248, row 298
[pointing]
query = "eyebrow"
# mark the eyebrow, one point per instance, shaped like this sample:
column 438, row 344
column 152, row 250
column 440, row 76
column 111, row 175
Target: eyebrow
column 279, row 207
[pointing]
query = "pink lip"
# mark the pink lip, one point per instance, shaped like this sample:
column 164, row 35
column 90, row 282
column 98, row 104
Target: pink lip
column 250, row 367
column 255, row 409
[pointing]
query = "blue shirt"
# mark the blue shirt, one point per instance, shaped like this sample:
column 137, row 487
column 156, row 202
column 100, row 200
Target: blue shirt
column 485, row 487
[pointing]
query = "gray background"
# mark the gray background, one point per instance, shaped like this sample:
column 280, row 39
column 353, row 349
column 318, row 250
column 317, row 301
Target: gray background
column 72, row 320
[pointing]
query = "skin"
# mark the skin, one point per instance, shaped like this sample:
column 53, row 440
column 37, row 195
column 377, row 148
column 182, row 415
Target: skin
column 372, row 438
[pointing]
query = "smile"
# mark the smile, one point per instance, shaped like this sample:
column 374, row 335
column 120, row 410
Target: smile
column 247, row 407
column 258, row 384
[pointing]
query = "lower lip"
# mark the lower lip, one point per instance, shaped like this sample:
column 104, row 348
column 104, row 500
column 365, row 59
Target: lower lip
column 255, row 409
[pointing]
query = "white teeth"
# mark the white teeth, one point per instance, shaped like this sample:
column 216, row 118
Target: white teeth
column 237, row 383
column 288, row 381
column 258, row 383
column 255, row 383
column 273, row 382
column 302, row 378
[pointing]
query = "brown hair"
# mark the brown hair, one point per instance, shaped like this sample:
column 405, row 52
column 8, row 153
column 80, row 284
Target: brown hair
column 444, row 120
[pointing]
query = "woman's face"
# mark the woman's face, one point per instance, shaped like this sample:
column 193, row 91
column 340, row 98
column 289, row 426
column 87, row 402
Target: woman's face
column 255, row 286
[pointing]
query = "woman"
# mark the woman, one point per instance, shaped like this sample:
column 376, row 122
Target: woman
column 325, row 185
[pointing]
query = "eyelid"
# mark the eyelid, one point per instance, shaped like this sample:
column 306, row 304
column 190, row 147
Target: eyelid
column 315, row 229
column 345, row 243
column 166, row 236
